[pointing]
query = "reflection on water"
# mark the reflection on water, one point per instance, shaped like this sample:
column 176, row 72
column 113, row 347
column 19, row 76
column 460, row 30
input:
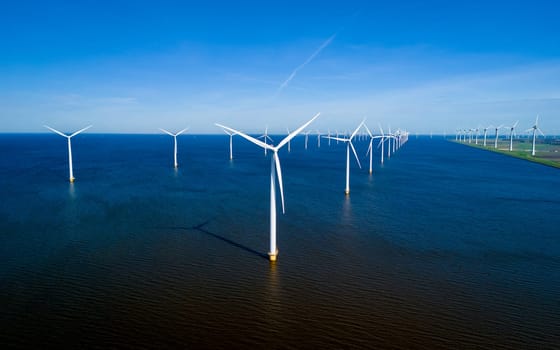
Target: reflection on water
column 72, row 190
column 346, row 213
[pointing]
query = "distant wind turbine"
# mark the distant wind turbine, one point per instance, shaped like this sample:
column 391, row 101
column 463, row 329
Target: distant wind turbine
column 535, row 128
column 511, row 133
column 265, row 137
column 306, row 138
column 370, row 148
column 69, row 137
column 275, row 170
column 383, row 138
column 174, row 144
column 348, row 146
column 231, row 135
column 485, row 132
column 497, row 128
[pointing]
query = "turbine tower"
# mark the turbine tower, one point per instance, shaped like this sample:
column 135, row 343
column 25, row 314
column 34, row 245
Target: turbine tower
column 175, row 164
column 275, row 170
column 69, row 137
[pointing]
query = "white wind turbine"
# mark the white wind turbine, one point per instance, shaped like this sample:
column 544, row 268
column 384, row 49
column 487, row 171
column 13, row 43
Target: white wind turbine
column 348, row 146
column 476, row 135
column 370, row 148
column 306, row 138
column 486, row 132
column 265, row 137
column 69, row 137
column 535, row 128
column 497, row 128
column 231, row 135
column 318, row 139
column 511, row 132
column 275, row 170
column 383, row 138
column 390, row 136
column 175, row 164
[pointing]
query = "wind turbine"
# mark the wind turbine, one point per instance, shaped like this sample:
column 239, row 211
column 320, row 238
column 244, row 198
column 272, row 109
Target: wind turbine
column 231, row 135
column 382, row 142
column 69, row 137
column 476, row 137
column 174, row 143
column 318, row 139
column 370, row 148
column 485, row 132
column 306, row 138
column 535, row 128
column 511, row 132
column 265, row 137
column 348, row 146
column 496, row 138
column 275, row 170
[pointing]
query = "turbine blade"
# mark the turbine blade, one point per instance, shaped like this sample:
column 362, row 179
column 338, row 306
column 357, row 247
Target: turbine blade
column 356, row 131
column 381, row 129
column 167, row 132
column 280, row 184
column 367, row 129
column 540, row 131
column 295, row 132
column 245, row 136
column 514, row 125
column 182, row 131
column 81, row 130
column 355, row 154
column 337, row 138
column 55, row 131
column 369, row 148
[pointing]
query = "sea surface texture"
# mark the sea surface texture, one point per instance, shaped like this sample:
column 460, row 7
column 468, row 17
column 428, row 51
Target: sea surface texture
column 443, row 246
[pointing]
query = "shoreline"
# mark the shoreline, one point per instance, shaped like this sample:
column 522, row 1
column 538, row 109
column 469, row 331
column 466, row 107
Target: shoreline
column 514, row 154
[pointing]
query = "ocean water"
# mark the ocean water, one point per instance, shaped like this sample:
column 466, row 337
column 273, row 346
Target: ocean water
column 443, row 246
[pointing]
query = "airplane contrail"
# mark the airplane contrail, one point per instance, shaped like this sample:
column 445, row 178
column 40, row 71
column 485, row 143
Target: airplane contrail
column 318, row 51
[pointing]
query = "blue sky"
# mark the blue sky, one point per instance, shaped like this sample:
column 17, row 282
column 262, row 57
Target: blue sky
column 137, row 66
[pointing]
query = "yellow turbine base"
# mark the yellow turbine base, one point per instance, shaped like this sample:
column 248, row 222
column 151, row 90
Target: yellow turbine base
column 273, row 256
column 347, row 192
column 72, row 179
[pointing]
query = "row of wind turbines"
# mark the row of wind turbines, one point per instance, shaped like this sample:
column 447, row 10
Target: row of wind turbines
column 395, row 142
column 471, row 135
column 276, row 170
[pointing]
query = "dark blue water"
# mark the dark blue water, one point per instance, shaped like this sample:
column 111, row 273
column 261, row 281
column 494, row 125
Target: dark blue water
column 443, row 246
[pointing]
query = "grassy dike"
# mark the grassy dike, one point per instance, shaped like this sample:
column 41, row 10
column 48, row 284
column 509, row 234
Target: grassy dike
column 521, row 154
